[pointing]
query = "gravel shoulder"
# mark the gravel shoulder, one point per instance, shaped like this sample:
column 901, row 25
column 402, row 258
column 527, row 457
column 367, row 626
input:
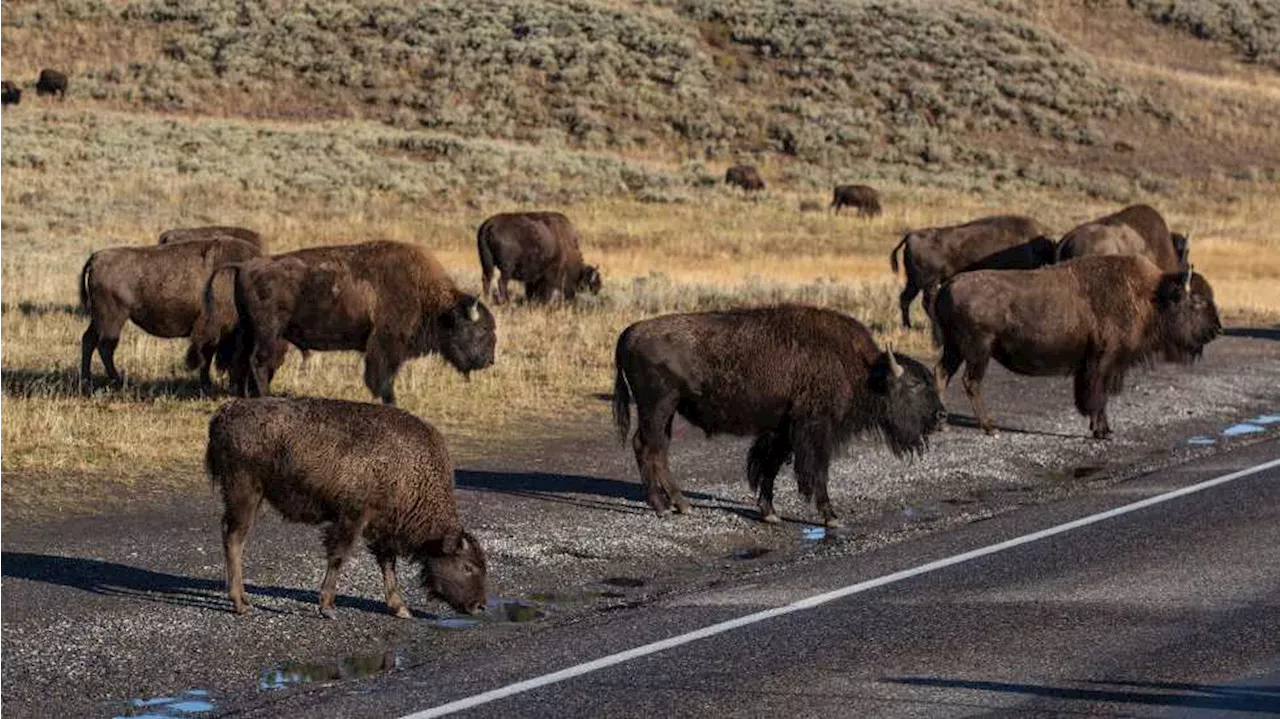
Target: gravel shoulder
column 102, row 610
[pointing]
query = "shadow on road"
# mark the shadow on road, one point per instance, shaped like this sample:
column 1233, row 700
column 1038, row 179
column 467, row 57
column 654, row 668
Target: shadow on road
column 66, row 383
column 964, row 420
column 1197, row 696
column 1258, row 333
column 121, row 580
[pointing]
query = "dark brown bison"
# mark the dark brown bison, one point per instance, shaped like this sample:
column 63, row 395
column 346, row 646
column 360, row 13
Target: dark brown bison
column 802, row 380
column 51, row 82
column 1093, row 318
column 186, row 234
column 934, row 254
column 389, row 300
column 160, row 288
column 862, row 197
column 540, row 249
column 10, row 94
column 744, row 176
column 364, row 470
column 1135, row 230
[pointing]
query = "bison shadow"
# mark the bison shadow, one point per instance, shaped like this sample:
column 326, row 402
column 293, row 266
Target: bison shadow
column 1222, row 697
column 65, row 383
column 121, row 580
column 27, row 308
column 969, row 422
column 1257, row 333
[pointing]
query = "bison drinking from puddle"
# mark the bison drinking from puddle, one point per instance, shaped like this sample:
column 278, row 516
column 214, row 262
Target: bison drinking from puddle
column 363, row 470
column 389, row 300
column 540, row 249
column 1094, row 318
column 802, row 380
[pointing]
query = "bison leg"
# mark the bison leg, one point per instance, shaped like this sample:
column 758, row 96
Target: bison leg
column 503, row 295
column 88, row 343
column 770, row 451
column 382, row 359
column 651, row 443
column 945, row 370
column 339, row 538
column 813, row 463
column 237, row 520
column 904, row 300
column 1091, row 384
column 387, row 563
column 975, row 369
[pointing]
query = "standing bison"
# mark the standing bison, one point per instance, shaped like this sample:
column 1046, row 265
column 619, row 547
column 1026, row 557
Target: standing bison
column 10, row 94
column 1093, row 318
column 186, row 234
column 389, row 300
column 744, row 176
column 803, row 380
column 160, row 288
column 51, row 82
column 1135, row 230
column 865, row 199
column 540, row 249
column 932, row 255
column 361, row 469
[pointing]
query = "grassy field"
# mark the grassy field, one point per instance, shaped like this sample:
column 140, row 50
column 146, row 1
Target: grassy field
column 335, row 144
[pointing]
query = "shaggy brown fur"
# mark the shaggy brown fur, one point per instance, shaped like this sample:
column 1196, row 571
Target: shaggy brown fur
column 1094, row 317
column 363, row 470
column 51, row 82
column 862, row 197
column 1135, row 230
column 389, row 300
column 10, row 94
column 186, row 234
column 803, row 380
column 934, row 254
column 744, row 176
column 540, row 249
column 159, row 288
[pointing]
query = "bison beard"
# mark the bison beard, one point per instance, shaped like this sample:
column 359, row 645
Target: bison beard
column 802, row 380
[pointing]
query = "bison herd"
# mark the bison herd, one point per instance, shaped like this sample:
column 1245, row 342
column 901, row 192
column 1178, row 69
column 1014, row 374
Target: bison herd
column 50, row 82
column 802, row 381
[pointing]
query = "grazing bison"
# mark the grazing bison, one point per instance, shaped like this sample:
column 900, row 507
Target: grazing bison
column 803, row 380
column 540, row 249
column 51, row 82
column 862, row 197
column 389, row 300
column 1093, row 318
column 744, row 176
column 10, row 94
column 363, row 470
column 186, row 234
column 160, row 288
column 999, row 242
column 1135, row 230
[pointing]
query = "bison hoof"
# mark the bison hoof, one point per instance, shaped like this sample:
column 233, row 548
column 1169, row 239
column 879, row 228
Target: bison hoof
column 402, row 612
column 328, row 613
column 834, row 523
column 682, row 506
column 242, row 608
column 663, row 513
column 1102, row 434
column 770, row 518
column 990, row 430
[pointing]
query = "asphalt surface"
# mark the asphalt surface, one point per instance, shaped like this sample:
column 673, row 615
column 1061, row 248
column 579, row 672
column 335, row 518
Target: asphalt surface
column 1171, row 610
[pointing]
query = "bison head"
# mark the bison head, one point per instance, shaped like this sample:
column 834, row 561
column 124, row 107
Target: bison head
column 1187, row 317
column 908, row 408
column 456, row 572
column 467, row 335
column 589, row 280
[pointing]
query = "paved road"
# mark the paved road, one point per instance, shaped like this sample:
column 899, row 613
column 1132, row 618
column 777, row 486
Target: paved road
column 1171, row 610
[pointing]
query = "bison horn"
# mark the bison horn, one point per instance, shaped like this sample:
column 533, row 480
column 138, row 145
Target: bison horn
column 893, row 364
column 473, row 311
column 1186, row 286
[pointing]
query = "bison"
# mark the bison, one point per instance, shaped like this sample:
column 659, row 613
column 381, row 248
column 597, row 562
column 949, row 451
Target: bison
column 160, row 288
column 540, row 249
column 363, row 470
column 932, row 255
column 862, row 197
column 802, row 380
column 51, row 82
column 389, row 300
column 10, row 94
column 186, row 234
column 1135, row 230
column 744, row 176
column 1094, row 318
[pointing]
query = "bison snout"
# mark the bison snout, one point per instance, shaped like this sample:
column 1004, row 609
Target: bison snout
column 476, row 608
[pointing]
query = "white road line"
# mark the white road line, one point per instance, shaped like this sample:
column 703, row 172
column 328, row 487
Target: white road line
column 819, row 599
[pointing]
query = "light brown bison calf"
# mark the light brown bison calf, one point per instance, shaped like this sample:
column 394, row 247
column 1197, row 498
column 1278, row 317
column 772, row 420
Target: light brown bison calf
column 212, row 232
column 160, row 288
column 363, row 470
column 540, row 249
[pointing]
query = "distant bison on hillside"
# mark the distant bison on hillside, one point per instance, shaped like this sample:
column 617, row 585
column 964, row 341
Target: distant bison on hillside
column 744, row 176
column 159, row 287
column 10, row 94
column 1094, row 318
column 933, row 255
column 51, row 82
column 186, row 234
column 862, row 197
column 390, row 300
column 540, row 249
column 1135, row 230
column 803, row 380
column 366, row 471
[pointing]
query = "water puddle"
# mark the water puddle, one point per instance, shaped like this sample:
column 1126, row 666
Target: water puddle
column 1236, row 430
column 749, row 553
column 192, row 701
column 289, row 674
column 1202, row 440
column 516, row 610
column 814, row 534
column 1265, row 419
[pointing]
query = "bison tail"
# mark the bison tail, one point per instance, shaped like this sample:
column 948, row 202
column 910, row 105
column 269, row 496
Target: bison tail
column 893, row 256
column 932, row 310
column 621, row 394
column 84, row 284
column 211, row 330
